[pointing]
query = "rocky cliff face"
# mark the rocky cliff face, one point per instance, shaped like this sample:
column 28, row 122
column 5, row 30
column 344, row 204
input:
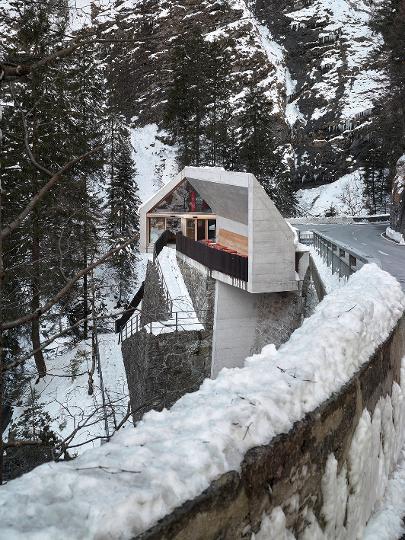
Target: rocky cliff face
column 151, row 28
column 333, row 56
column 317, row 61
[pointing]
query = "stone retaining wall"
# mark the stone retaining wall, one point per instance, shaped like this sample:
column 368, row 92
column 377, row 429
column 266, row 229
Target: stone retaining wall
column 154, row 303
column 287, row 475
column 162, row 368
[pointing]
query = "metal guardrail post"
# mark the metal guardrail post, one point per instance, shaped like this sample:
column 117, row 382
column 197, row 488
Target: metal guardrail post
column 326, row 249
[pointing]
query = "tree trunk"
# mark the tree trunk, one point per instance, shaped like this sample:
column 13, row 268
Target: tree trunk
column 398, row 198
column 1, row 342
column 35, row 290
column 85, row 280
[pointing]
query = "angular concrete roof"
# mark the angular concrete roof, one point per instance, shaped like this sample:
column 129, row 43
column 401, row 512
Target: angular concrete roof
column 238, row 197
column 214, row 184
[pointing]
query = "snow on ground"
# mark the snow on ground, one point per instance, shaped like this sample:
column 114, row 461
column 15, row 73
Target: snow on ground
column 125, row 486
column 395, row 235
column 345, row 195
column 63, row 393
column 155, row 161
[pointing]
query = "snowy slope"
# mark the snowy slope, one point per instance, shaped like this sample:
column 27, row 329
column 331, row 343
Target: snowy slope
column 155, row 162
column 345, row 195
column 63, row 393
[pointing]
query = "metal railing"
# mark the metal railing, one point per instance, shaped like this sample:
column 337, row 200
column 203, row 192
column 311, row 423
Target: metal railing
column 306, row 237
column 231, row 264
column 168, row 299
column 341, row 259
column 179, row 321
column 130, row 309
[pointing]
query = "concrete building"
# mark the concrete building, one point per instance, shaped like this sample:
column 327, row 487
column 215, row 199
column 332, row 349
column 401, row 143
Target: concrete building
column 229, row 229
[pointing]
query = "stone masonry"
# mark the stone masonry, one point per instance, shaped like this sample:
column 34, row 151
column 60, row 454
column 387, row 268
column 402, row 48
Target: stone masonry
column 287, row 472
column 162, row 368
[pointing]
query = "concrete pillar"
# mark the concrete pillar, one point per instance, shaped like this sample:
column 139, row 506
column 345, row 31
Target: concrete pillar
column 235, row 322
column 244, row 323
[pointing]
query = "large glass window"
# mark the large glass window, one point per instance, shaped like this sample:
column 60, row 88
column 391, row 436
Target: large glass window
column 190, row 229
column 157, row 225
column 173, row 224
column 212, row 229
column 201, row 229
column 183, row 198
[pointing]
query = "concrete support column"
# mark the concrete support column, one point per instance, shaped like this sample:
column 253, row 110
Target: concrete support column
column 244, row 323
column 235, row 322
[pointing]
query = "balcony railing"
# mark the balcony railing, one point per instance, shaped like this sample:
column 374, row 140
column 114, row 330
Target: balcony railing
column 214, row 258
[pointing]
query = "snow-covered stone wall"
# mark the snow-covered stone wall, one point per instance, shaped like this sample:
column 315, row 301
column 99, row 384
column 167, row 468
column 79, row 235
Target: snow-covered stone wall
column 321, row 480
column 292, row 441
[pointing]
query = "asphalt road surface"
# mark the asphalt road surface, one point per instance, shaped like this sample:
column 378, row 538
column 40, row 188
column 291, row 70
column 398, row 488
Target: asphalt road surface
column 367, row 240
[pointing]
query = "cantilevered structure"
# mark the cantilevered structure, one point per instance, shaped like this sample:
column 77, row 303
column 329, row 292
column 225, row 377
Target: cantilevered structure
column 226, row 222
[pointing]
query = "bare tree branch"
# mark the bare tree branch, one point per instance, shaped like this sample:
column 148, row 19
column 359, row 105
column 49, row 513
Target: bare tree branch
column 44, row 309
column 126, row 417
column 11, row 72
column 31, row 156
column 6, row 231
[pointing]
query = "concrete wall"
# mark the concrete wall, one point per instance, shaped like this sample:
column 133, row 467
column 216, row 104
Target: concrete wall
column 245, row 322
column 271, row 245
column 286, row 477
column 235, row 322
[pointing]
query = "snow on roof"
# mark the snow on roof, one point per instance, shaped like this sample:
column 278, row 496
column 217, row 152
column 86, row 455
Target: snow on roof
column 125, row 486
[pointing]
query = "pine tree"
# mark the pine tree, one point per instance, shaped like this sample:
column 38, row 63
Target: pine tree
column 62, row 109
column 198, row 100
column 122, row 209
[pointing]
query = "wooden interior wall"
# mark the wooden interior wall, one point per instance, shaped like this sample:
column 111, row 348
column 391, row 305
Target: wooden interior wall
column 233, row 241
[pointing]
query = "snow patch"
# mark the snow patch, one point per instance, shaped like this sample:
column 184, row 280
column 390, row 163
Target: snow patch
column 395, row 235
column 155, row 161
column 345, row 195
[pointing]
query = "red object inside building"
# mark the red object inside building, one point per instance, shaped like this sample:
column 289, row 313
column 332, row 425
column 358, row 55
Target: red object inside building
column 193, row 201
